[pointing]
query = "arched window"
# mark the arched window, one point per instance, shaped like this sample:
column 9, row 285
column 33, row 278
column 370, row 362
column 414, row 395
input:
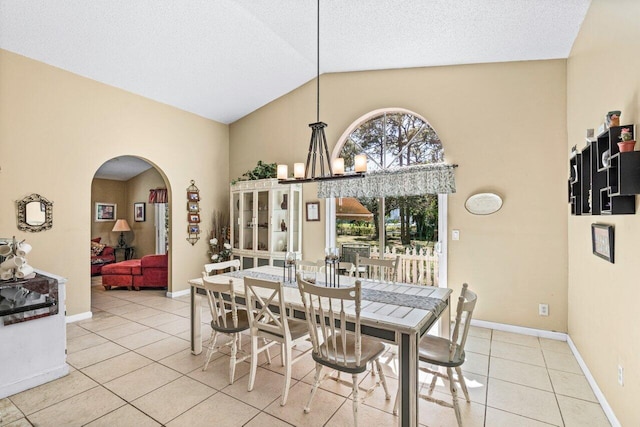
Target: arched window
column 391, row 138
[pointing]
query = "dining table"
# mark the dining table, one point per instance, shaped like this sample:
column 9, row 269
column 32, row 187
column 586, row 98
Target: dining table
column 393, row 312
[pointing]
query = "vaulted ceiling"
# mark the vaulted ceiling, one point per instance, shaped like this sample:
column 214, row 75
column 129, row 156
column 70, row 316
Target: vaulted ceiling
column 223, row 59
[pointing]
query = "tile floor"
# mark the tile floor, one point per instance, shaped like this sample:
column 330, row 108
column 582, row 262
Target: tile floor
column 131, row 366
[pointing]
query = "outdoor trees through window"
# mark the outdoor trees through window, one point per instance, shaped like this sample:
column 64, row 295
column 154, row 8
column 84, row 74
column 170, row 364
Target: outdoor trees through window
column 391, row 139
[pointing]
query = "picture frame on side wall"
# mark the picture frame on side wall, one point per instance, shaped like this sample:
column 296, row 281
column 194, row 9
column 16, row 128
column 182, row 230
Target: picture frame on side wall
column 105, row 212
column 139, row 212
column 602, row 241
column 313, row 211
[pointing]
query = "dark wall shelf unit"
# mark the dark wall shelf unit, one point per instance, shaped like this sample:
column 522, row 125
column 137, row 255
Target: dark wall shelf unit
column 604, row 181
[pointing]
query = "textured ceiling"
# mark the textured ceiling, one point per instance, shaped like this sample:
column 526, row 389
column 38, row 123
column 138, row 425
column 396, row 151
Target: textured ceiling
column 223, row 59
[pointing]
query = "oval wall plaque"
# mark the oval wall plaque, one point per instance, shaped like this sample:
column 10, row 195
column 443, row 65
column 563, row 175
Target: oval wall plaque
column 483, row 203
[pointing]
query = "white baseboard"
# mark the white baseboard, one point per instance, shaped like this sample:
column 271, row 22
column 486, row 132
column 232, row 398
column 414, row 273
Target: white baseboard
column 559, row 336
column 594, row 386
column 79, row 317
column 34, row 381
column 179, row 293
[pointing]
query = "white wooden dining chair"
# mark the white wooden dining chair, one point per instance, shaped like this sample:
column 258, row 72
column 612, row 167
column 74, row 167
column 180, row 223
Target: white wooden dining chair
column 345, row 268
column 226, row 318
column 448, row 353
column 333, row 345
column 304, row 265
column 384, row 270
column 270, row 325
column 233, row 265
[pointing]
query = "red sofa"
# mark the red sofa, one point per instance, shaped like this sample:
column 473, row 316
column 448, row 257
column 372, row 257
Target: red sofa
column 151, row 272
column 101, row 255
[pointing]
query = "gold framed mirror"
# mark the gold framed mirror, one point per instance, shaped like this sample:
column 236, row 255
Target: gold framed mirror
column 35, row 213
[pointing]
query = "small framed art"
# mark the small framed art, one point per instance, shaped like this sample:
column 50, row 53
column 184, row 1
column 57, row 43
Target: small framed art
column 105, row 212
column 194, row 217
column 193, row 229
column 193, row 207
column 602, row 241
column 313, row 211
column 139, row 212
column 193, row 196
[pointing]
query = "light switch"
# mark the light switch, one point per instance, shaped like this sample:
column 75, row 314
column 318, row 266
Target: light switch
column 455, row 234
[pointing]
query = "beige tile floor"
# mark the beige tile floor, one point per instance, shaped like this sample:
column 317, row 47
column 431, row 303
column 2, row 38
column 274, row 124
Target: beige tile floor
column 131, row 366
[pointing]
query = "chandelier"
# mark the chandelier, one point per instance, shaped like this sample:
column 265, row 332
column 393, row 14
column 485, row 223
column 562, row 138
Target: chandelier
column 318, row 151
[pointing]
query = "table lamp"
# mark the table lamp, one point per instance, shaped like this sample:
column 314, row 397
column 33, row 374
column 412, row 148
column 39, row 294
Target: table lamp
column 121, row 225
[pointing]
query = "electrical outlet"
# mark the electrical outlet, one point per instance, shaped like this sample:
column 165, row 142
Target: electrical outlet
column 620, row 375
column 543, row 309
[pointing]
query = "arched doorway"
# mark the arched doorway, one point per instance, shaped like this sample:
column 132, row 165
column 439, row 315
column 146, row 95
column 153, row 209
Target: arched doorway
column 120, row 196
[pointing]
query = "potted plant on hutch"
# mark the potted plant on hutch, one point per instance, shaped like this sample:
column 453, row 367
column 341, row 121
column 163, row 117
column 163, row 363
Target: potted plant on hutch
column 627, row 143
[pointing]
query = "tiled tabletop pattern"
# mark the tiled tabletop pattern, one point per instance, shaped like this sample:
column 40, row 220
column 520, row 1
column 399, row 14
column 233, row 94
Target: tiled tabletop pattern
column 131, row 366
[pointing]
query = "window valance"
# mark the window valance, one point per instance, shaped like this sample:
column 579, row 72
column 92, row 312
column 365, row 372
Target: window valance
column 158, row 195
column 402, row 181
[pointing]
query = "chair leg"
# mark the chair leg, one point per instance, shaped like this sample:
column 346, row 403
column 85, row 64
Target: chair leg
column 454, row 395
column 254, row 363
column 395, row 405
column 463, row 385
column 316, row 383
column 282, row 350
column 383, row 380
column 264, row 342
column 232, row 361
column 354, row 379
column 434, row 379
column 211, row 348
column 287, row 375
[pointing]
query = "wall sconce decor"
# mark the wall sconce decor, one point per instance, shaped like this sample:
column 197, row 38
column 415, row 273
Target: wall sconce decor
column 193, row 217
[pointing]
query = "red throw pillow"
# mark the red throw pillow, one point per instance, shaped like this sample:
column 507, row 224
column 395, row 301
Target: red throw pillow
column 97, row 239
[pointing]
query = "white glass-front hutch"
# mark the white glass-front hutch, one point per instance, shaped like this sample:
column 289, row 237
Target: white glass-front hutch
column 266, row 221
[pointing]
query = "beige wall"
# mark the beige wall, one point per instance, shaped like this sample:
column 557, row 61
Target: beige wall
column 603, row 74
column 57, row 128
column 504, row 124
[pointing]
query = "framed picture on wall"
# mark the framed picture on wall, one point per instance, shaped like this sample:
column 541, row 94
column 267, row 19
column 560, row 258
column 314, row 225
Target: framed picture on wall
column 194, row 196
column 139, row 212
column 105, row 212
column 193, row 207
column 193, row 229
column 602, row 242
column 313, row 211
column 194, row 217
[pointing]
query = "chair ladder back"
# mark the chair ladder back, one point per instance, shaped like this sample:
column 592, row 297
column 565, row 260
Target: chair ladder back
column 348, row 267
column 217, row 304
column 304, row 265
column 260, row 302
column 327, row 319
column 233, row 264
column 378, row 269
column 466, row 305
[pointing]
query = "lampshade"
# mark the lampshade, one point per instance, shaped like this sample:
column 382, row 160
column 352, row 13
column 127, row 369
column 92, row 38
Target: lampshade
column 121, row 225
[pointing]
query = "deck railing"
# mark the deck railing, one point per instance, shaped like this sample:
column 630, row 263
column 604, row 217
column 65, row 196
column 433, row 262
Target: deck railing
column 419, row 267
